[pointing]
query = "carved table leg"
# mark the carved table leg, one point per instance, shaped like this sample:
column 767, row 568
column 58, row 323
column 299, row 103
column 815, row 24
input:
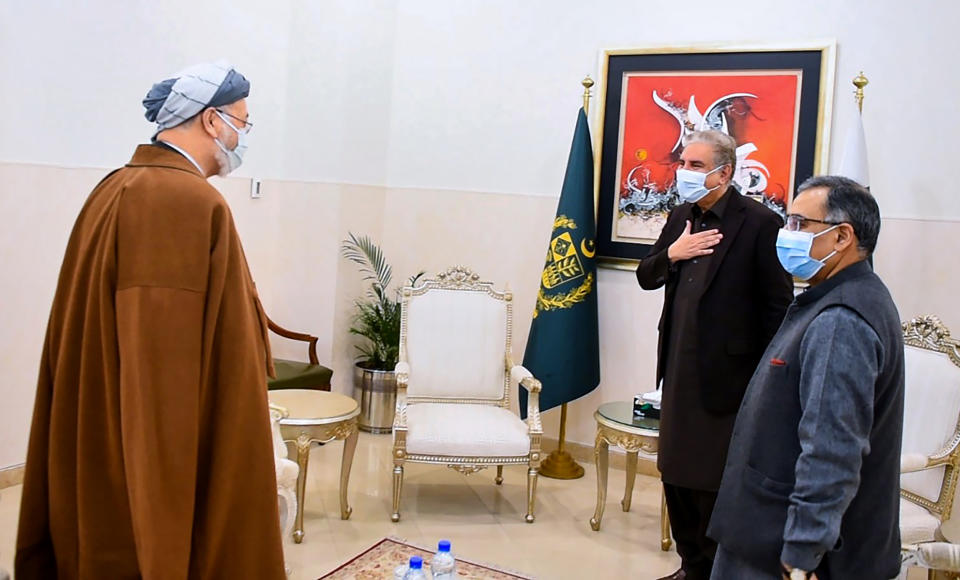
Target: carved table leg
column 601, row 454
column 665, row 542
column 631, row 478
column 349, row 447
column 303, row 458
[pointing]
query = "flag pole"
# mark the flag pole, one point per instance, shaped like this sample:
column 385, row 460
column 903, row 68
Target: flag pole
column 560, row 464
column 860, row 81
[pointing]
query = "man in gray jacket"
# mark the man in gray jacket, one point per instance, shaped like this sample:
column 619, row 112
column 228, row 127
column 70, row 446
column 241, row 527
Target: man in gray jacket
column 811, row 483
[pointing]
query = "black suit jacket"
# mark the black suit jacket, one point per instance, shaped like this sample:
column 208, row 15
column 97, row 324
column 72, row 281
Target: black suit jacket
column 744, row 300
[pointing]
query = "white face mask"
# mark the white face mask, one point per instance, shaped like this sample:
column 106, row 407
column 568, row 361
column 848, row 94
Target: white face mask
column 691, row 184
column 234, row 157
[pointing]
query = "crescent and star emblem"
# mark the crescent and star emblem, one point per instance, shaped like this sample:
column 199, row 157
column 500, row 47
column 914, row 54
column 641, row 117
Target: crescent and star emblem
column 588, row 247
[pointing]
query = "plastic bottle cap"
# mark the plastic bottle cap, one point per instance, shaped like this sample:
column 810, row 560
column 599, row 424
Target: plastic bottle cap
column 443, row 546
column 416, row 563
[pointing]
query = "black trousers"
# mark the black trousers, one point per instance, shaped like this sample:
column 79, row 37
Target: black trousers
column 690, row 511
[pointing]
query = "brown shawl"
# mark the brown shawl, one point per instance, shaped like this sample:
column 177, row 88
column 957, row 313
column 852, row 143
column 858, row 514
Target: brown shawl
column 150, row 453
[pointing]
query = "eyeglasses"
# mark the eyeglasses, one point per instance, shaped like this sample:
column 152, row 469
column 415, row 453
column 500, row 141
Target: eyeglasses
column 247, row 125
column 795, row 222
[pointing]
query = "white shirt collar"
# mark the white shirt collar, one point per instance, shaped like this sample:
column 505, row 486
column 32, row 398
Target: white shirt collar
column 184, row 153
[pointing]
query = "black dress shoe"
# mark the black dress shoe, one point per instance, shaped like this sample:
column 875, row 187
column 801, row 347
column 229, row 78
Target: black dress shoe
column 678, row 575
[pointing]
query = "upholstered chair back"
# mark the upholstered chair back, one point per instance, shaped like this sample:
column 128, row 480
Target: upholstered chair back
column 456, row 335
column 931, row 411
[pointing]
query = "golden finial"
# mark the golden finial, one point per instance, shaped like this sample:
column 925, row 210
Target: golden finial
column 587, row 83
column 860, row 81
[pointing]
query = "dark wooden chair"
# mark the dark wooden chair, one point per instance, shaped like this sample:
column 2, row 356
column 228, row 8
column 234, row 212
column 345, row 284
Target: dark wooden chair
column 293, row 374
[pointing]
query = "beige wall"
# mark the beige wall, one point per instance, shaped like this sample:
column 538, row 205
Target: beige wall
column 37, row 206
column 445, row 108
column 292, row 237
column 465, row 95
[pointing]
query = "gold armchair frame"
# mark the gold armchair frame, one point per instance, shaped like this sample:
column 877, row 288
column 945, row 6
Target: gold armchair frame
column 461, row 278
column 929, row 333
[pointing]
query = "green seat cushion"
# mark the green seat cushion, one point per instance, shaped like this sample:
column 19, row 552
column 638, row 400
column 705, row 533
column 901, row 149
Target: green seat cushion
column 293, row 374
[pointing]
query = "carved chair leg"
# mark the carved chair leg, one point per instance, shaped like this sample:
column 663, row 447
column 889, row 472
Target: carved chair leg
column 397, row 487
column 531, row 493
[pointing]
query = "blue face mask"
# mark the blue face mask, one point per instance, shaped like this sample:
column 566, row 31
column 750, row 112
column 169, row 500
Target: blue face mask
column 690, row 184
column 793, row 250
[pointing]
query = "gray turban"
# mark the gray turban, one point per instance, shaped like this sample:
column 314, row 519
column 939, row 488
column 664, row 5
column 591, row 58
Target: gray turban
column 174, row 100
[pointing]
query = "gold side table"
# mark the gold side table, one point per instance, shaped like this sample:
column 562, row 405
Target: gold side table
column 318, row 416
column 617, row 426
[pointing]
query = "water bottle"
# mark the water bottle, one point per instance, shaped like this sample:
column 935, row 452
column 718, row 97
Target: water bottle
column 416, row 569
column 400, row 572
column 443, row 566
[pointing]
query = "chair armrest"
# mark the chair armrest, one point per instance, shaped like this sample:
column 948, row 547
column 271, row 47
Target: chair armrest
column 524, row 378
column 308, row 338
column 911, row 462
column 518, row 373
column 402, row 371
column 277, row 412
column 941, row 556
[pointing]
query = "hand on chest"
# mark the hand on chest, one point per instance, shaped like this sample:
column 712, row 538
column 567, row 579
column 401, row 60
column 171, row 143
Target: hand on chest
column 730, row 251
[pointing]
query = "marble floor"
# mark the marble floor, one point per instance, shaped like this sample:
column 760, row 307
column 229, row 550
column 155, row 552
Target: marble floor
column 483, row 521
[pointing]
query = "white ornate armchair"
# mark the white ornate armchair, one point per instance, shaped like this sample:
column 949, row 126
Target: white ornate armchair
column 453, row 383
column 931, row 454
column 287, row 472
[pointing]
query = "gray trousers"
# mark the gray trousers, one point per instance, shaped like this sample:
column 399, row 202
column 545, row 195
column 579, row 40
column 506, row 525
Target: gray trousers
column 728, row 566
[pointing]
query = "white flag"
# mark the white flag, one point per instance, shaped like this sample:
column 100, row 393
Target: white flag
column 854, row 161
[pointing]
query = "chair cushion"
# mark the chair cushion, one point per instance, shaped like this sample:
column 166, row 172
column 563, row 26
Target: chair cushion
column 465, row 430
column 293, row 374
column 917, row 524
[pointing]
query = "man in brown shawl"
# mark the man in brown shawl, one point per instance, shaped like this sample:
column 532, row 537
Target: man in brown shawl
column 150, row 452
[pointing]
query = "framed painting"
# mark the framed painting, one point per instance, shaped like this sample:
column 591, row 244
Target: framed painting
column 775, row 102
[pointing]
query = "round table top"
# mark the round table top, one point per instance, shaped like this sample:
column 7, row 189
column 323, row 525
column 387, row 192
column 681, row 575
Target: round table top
column 309, row 407
column 621, row 413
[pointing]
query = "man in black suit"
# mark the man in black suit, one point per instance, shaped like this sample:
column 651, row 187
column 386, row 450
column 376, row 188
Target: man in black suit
column 726, row 295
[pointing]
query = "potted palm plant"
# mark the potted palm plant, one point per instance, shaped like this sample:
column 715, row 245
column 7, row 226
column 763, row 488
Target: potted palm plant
column 377, row 321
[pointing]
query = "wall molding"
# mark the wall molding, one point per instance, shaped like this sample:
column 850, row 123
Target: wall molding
column 410, row 187
column 11, row 476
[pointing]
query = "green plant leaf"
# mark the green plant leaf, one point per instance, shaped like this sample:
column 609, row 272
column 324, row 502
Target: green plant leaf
column 376, row 317
column 368, row 255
